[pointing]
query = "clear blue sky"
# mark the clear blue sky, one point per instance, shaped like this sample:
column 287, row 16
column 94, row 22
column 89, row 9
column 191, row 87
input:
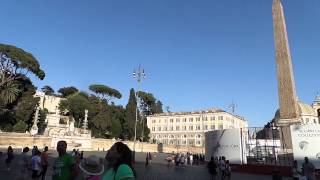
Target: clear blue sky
column 197, row 54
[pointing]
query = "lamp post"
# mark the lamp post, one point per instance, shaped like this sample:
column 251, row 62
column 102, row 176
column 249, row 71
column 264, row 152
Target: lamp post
column 138, row 75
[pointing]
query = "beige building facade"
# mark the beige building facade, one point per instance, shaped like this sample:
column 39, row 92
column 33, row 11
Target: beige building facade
column 188, row 128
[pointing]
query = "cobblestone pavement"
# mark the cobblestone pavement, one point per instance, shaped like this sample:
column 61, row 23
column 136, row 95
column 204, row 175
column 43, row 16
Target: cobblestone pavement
column 158, row 170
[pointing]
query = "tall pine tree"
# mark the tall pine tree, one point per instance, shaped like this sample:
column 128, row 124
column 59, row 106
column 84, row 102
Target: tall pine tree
column 130, row 116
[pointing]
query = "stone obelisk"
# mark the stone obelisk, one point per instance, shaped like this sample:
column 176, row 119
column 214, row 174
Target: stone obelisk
column 288, row 101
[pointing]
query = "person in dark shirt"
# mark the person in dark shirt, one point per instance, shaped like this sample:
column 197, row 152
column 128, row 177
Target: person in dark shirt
column 212, row 167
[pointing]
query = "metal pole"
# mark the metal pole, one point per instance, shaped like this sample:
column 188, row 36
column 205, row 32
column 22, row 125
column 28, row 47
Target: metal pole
column 138, row 75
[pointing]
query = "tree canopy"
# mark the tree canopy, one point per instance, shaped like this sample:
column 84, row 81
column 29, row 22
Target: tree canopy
column 105, row 92
column 48, row 90
column 16, row 63
column 67, row 91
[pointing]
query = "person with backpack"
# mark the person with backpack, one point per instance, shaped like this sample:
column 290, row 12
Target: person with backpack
column 36, row 165
column 212, row 167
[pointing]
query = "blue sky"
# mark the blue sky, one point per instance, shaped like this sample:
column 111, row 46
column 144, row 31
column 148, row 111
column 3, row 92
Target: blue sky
column 196, row 54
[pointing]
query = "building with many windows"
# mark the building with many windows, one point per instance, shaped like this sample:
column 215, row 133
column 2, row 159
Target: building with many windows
column 188, row 128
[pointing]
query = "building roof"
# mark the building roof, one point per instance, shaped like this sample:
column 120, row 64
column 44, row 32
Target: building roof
column 304, row 109
column 212, row 110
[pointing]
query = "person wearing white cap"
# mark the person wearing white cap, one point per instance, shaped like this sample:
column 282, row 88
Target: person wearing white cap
column 92, row 167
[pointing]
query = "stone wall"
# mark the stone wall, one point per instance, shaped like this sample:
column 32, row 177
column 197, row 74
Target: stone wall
column 20, row 140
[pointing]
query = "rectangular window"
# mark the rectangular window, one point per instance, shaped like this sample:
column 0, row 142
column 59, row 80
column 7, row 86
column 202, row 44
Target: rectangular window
column 220, row 118
column 184, row 128
column 213, row 127
column 153, row 128
column 184, row 120
column 191, row 128
column 205, row 118
column 205, row 127
column 177, row 128
column 198, row 142
column 164, row 128
column 220, row 127
column 153, row 121
column 198, row 127
column 159, row 128
column 171, row 128
column 190, row 119
column 166, row 120
column 177, row 120
column 171, row 120
column 213, row 118
column 197, row 119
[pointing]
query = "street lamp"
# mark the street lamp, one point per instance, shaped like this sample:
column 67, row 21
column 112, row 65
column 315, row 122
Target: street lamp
column 138, row 75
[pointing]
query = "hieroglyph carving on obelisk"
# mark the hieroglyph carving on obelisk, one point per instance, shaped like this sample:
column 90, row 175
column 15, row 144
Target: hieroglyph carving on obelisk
column 288, row 101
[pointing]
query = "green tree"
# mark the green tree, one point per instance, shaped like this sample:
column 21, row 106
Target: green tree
column 104, row 92
column 47, row 90
column 9, row 93
column 42, row 120
column 26, row 106
column 128, row 123
column 67, row 91
column 158, row 108
column 75, row 106
column 15, row 63
column 20, row 126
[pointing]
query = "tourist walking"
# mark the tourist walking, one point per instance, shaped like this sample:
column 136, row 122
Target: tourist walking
column 9, row 157
column 36, row 165
column 64, row 167
column 308, row 169
column 120, row 159
column 295, row 171
column 228, row 170
column 212, row 167
column 24, row 164
column 150, row 157
column 191, row 159
column 92, row 168
column 44, row 162
column 222, row 167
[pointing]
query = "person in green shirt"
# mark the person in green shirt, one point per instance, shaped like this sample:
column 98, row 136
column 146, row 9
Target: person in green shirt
column 64, row 167
column 120, row 160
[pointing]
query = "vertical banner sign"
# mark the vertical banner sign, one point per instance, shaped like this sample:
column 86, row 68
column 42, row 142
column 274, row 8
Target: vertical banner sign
column 306, row 143
column 224, row 143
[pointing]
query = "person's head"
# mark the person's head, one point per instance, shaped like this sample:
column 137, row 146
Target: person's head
column 46, row 149
column 212, row 158
column 10, row 149
column 62, row 147
column 306, row 159
column 223, row 158
column 295, row 163
column 37, row 153
column 227, row 161
column 119, row 154
column 25, row 150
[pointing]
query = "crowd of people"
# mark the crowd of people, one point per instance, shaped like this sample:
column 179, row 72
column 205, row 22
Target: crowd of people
column 119, row 164
column 73, row 166
column 181, row 159
column 219, row 166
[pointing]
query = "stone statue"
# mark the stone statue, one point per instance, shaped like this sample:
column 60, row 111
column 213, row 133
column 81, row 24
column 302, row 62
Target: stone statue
column 85, row 122
column 34, row 128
